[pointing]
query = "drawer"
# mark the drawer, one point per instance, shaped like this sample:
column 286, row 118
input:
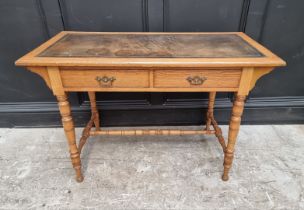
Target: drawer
column 105, row 78
column 211, row 78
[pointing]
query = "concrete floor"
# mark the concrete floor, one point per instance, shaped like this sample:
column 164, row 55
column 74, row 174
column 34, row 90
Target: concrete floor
column 153, row 172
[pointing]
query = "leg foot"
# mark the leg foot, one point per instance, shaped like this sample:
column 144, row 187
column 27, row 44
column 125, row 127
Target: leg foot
column 227, row 165
column 225, row 177
column 79, row 177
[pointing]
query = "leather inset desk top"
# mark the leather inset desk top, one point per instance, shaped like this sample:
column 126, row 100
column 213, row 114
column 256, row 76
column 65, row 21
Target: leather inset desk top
column 151, row 46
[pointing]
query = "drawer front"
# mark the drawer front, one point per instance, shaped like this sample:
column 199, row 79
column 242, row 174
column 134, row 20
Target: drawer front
column 105, row 78
column 197, row 78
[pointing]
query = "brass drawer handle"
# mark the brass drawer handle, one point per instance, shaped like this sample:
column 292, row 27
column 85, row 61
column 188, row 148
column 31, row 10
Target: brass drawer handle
column 196, row 80
column 105, row 81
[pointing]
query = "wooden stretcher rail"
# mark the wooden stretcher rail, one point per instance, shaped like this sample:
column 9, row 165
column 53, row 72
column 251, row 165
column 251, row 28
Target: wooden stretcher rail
column 150, row 132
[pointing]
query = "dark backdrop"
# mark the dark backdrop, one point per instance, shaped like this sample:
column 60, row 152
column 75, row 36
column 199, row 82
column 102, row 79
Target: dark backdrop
column 278, row 24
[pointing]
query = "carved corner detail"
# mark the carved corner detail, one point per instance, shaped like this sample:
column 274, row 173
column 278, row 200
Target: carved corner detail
column 258, row 73
column 41, row 71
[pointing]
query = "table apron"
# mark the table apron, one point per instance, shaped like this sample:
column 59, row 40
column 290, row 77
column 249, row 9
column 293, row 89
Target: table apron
column 160, row 80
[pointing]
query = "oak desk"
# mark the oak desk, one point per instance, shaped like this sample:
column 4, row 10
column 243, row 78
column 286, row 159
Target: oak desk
column 150, row 62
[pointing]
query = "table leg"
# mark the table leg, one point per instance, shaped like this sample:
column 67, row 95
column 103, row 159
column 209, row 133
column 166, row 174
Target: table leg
column 210, row 109
column 234, row 125
column 68, row 125
column 95, row 114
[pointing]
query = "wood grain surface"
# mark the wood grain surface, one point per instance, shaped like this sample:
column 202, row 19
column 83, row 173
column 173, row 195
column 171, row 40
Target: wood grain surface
column 87, row 78
column 219, row 78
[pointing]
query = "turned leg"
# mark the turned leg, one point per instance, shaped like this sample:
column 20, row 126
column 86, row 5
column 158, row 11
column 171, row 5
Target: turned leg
column 94, row 109
column 210, row 109
column 69, row 130
column 234, row 125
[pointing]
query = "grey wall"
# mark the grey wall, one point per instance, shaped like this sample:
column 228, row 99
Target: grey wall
column 278, row 24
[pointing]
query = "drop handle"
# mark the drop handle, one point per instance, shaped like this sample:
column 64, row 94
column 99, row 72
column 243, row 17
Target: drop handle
column 105, row 80
column 196, row 80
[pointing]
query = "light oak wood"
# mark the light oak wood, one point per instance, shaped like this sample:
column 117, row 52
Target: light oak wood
column 41, row 71
column 55, row 80
column 257, row 74
column 150, row 132
column 247, row 75
column 107, row 89
column 69, row 130
column 94, row 109
column 67, row 120
column 150, row 62
column 211, row 121
column 86, row 133
column 234, row 126
column 211, row 102
column 218, row 133
column 87, row 78
column 215, row 78
column 235, row 121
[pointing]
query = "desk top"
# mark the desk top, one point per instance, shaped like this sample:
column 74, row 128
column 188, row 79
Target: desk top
column 151, row 46
column 150, row 49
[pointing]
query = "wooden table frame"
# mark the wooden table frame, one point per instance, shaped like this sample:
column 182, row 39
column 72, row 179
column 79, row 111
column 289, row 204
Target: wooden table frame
column 58, row 73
